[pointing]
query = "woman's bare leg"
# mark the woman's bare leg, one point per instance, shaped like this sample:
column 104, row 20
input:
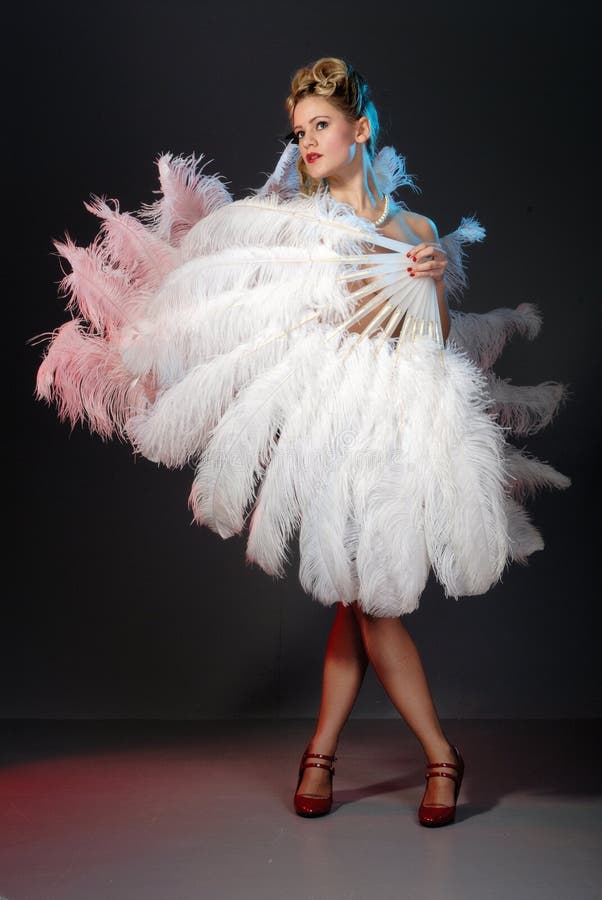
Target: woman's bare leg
column 396, row 661
column 345, row 664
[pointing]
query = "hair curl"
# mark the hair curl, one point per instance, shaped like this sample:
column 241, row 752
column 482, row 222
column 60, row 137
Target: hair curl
column 340, row 84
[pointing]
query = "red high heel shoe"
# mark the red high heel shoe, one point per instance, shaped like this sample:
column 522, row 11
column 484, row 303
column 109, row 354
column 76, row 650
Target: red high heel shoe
column 432, row 816
column 308, row 806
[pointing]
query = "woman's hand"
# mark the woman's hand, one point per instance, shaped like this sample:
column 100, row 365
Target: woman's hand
column 428, row 260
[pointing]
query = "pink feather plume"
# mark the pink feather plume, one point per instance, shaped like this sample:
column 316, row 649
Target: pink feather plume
column 188, row 196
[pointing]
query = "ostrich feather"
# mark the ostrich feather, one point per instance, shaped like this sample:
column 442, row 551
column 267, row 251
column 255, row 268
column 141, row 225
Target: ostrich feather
column 529, row 475
column 469, row 231
column 188, row 194
column 176, row 428
column 388, row 491
column 269, row 221
column 310, row 446
column 483, row 335
column 96, row 290
column 244, row 441
column 524, row 409
column 524, row 538
column 464, row 516
column 391, row 172
column 211, row 305
column 131, row 245
column 284, row 180
column 86, row 379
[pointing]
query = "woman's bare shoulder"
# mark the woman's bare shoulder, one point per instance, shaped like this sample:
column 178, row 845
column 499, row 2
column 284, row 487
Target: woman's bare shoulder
column 418, row 226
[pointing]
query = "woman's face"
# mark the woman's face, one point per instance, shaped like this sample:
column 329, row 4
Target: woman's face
column 328, row 142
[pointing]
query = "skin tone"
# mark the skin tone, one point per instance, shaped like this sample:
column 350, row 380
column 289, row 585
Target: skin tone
column 336, row 149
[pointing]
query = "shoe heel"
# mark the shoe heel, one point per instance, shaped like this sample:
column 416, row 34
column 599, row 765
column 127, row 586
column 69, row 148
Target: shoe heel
column 435, row 816
column 312, row 807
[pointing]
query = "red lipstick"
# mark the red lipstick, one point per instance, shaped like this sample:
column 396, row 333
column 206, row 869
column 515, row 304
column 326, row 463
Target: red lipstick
column 312, row 157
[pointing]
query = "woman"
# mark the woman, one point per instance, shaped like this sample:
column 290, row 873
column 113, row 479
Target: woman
column 293, row 346
column 335, row 125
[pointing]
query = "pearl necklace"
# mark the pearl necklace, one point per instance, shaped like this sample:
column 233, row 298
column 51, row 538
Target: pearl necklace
column 384, row 215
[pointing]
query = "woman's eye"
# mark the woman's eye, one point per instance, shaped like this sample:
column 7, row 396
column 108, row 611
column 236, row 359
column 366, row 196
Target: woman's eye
column 325, row 124
column 297, row 136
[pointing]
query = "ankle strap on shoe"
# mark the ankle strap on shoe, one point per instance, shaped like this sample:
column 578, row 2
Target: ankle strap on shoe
column 445, row 765
column 451, row 775
column 307, row 755
column 306, row 765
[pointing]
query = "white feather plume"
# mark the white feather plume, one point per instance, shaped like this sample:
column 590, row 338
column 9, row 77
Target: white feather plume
column 524, row 409
column 483, row 336
column 524, row 538
column 468, row 231
column 529, row 475
column 284, row 180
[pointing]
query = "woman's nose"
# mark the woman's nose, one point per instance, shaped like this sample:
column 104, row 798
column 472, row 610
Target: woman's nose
column 307, row 140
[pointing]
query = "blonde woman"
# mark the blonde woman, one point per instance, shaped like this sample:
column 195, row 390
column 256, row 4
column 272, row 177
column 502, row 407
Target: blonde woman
column 335, row 124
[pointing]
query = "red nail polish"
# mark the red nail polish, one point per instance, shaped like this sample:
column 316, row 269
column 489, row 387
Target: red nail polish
column 412, row 275
column 410, row 268
column 415, row 258
column 409, row 253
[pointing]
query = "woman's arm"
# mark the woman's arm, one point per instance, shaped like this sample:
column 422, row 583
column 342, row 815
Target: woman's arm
column 431, row 262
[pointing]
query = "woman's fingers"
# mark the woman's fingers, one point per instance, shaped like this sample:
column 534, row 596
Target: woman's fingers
column 427, row 260
column 425, row 249
column 418, row 248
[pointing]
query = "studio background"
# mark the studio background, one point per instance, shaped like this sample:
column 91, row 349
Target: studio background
column 115, row 605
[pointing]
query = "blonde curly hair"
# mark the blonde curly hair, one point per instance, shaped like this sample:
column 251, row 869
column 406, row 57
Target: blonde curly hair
column 340, row 84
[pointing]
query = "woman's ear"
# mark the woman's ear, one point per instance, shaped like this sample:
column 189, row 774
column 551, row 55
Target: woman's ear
column 362, row 130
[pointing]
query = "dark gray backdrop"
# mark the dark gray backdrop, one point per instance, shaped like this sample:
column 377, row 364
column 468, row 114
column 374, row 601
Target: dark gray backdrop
column 115, row 604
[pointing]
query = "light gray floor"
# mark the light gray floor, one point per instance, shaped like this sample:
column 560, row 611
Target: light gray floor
column 179, row 811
